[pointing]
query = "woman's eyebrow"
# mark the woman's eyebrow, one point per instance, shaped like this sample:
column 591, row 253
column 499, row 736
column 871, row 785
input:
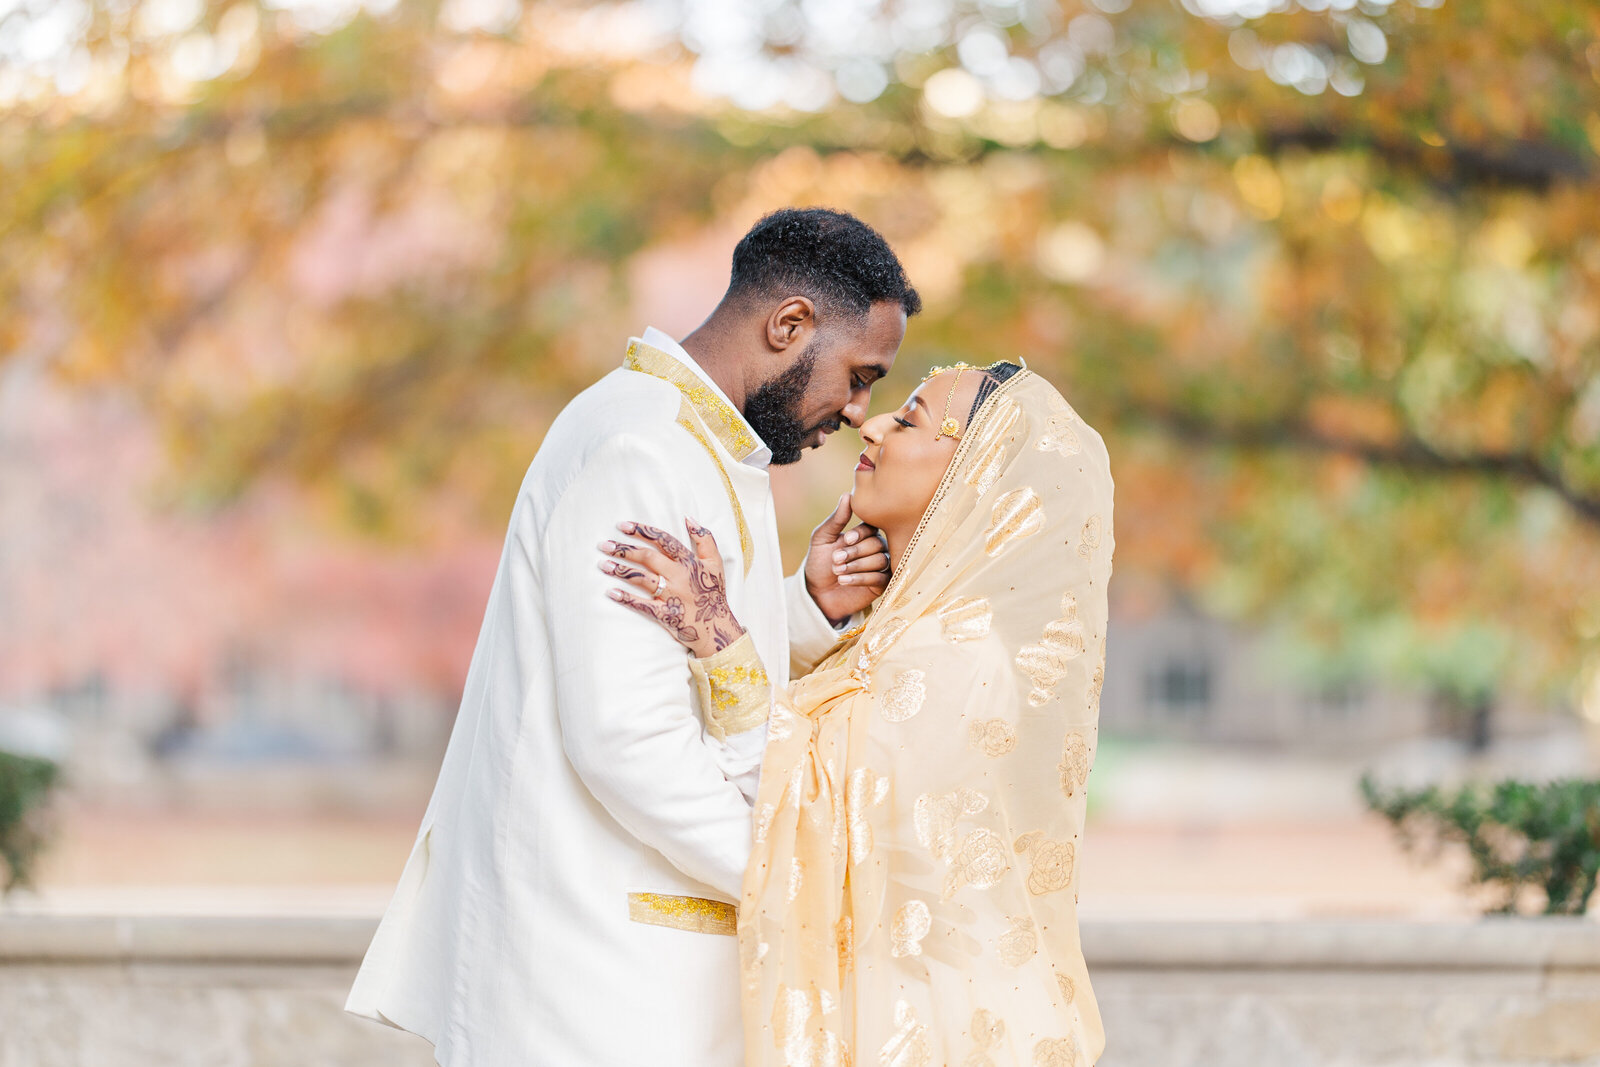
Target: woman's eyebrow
column 914, row 401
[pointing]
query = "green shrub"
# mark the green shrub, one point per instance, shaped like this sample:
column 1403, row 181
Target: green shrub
column 1518, row 834
column 25, row 782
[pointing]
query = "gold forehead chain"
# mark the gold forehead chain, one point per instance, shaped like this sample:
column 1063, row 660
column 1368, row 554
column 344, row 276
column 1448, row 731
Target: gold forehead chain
column 948, row 427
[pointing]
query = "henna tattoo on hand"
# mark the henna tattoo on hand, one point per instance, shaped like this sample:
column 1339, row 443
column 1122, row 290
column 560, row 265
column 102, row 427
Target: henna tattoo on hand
column 670, row 546
column 670, row 614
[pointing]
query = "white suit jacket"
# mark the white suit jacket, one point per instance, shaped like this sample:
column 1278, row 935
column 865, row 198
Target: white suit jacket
column 568, row 901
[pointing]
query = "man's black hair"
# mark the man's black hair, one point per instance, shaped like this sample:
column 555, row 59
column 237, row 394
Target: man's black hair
column 833, row 258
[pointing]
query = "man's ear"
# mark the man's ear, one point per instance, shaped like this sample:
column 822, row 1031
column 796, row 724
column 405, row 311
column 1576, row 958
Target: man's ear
column 790, row 322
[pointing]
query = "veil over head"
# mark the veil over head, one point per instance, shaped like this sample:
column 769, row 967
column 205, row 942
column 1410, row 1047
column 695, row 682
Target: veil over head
column 911, row 899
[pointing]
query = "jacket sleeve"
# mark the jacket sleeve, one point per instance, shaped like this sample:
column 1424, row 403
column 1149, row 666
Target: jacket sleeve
column 811, row 635
column 622, row 682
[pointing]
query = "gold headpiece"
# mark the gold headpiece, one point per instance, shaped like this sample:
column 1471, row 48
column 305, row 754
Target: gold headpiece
column 948, row 426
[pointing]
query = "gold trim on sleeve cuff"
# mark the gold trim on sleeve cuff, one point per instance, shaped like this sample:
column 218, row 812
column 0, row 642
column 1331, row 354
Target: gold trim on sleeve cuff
column 696, row 914
column 735, row 692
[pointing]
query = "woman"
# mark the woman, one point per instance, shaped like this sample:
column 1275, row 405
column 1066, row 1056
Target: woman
column 911, row 895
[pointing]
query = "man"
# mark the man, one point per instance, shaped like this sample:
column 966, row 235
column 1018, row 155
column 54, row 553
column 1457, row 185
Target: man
column 569, row 899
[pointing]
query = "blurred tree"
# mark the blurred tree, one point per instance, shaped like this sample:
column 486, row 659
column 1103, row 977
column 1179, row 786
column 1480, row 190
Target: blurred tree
column 1326, row 274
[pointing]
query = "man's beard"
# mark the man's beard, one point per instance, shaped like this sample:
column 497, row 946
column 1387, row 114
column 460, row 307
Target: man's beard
column 773, row 411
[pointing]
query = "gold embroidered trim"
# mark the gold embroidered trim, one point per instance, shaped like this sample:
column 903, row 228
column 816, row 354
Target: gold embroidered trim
column 735, row 692
column 689, row 421
column 695, row 914
column 719, row 415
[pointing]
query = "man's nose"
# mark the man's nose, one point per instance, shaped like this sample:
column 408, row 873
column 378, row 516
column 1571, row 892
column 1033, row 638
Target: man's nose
column 854, row 413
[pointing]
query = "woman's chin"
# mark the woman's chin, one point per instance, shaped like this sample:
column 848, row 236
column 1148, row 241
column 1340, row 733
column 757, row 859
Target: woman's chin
column 861, row 502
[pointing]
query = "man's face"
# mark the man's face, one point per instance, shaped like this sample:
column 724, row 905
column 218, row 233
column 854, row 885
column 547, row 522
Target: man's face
column 829, row 383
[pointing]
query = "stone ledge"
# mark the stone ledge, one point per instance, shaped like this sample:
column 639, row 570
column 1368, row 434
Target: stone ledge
column 1489, row 944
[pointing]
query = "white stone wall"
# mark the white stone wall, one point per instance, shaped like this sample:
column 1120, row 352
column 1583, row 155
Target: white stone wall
column 237, row 992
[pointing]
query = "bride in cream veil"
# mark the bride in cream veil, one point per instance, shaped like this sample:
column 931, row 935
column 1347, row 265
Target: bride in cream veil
column 911, row 895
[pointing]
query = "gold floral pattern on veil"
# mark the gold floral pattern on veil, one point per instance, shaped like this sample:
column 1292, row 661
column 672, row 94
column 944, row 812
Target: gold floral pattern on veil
column 1056, row 1052
column 1098, row 680
column 1050, row 862
column 801, row 1031
column 1046, row 662
column 908, row 1046
column 1018, row 944
column 865, row 789
column 1076, row 758
column 1089, row 538
column 912, row 921
column 934, row 817
column 964, row 618
column 904, row 698
column 1017, row 514
column 988, row 1031
column 992, row 737
column 1059, row 435
column 874, row 647
column 1069, row 988
column 990, row 458
column 980, row 862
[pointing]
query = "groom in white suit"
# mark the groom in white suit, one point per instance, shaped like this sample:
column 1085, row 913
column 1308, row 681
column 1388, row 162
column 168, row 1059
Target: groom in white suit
column 569, row 901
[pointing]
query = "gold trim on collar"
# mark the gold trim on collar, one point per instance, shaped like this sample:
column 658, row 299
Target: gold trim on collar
column 718, row 415
column 695, row 914
column 690, row 420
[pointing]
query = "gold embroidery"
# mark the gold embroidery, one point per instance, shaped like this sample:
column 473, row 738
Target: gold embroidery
column 864, row 790
column 1069, row 988
column 1050, row 862
column 1075, row 763
column 992, row 737
column 735, row 693
column 873, row 649
column 1059, row 435
column 719, row 415
column 695, row 914
column 1089, row 539
column 1047, row 661
column 904, row 698
column 800, row 1032
column 688, row 421
column 912, row 921
column 934, row 818
column 764, row 817
column 1056, row 1052
column 1017, row 514
column 844, row 934
column 991, row 457
column 908, row 1046
column 988, row 1031
column 797, row 877
column 1018, row 944
column 979, row 862
column 1098, row 681
column 964, row 618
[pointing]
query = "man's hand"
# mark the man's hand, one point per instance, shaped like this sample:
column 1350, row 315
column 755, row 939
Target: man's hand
column 846, row 570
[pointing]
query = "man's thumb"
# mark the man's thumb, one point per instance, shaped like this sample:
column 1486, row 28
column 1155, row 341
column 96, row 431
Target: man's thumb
column 834, row 524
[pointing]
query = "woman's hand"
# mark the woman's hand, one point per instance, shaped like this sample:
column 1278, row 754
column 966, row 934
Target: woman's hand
column 684, row 591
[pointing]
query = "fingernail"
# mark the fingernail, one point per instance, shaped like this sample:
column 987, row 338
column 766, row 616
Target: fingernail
column 608, row 546
column 613, row 594
column 837, row 569
column 846, row 579
column 852, row 537
column 625, row 527
column 838, row 557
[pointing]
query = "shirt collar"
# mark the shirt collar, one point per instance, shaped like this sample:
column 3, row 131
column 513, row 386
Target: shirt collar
column 708, row 400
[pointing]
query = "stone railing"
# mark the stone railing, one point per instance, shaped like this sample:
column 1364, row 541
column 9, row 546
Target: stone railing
column 263, row 992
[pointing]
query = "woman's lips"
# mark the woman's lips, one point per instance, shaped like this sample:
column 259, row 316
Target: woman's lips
column 865, row 464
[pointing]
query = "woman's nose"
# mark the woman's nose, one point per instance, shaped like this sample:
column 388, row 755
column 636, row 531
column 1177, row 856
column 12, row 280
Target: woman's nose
column 872, row 430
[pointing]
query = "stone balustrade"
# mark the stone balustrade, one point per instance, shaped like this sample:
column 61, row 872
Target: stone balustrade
column 217, row 991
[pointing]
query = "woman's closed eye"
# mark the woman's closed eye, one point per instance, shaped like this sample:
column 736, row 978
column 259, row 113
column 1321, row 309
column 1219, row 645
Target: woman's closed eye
column 903, row 422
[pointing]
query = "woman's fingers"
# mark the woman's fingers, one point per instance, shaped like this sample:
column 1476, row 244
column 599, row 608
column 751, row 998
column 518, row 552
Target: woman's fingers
column 704, row 541
column 868, row 545
column 641, row 555
column 668, row 545
column 642, row 579
column 647, row 608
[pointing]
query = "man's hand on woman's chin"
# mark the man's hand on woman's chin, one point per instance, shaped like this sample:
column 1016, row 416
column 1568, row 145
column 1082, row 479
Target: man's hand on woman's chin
column 846, row 570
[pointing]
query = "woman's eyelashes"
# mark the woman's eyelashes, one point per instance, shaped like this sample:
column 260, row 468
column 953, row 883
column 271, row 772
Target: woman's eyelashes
column 902, row 422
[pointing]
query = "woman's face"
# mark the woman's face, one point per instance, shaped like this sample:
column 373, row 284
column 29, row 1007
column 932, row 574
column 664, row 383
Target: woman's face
column 902, row 464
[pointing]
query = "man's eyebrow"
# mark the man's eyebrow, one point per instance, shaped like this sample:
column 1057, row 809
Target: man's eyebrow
column 879, row 371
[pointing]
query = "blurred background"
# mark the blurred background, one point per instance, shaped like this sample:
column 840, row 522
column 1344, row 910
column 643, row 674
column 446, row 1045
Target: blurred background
column 290, row 290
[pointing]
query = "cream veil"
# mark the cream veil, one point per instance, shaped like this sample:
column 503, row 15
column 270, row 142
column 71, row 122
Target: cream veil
column 912, row 896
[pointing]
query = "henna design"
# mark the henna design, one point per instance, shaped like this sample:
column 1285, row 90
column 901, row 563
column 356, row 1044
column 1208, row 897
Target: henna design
column 670, row 546
column 670, row 615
